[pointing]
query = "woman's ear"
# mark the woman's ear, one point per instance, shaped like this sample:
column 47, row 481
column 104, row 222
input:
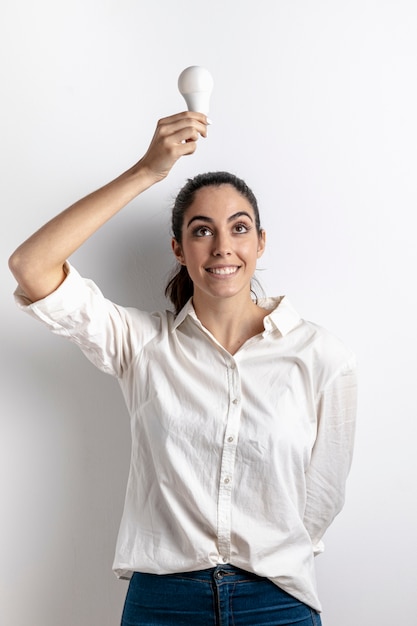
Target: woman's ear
column 261, row 244
column 177, row 250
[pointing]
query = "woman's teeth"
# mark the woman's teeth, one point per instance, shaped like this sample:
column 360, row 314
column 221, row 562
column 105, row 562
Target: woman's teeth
column 222, row 270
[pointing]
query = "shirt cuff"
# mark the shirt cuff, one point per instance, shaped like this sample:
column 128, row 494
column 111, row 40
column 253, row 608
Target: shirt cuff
column 65, row 299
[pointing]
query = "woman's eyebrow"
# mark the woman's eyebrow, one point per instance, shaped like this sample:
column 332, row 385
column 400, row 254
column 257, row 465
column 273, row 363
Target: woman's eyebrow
column 204, row 218
column 201, row 218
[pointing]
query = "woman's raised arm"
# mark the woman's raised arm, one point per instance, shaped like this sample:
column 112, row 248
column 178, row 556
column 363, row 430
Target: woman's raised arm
column 37, row 264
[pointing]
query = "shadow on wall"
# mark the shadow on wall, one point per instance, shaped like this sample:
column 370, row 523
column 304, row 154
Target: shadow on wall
column 69, row 445
column 130, row 258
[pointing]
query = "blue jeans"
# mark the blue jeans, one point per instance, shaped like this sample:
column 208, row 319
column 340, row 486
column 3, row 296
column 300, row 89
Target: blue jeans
column 221, row 596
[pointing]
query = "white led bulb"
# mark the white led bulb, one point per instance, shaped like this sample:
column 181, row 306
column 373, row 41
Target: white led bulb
column 196, row 84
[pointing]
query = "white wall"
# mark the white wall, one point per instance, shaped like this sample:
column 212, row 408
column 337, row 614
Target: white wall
column 315, row 105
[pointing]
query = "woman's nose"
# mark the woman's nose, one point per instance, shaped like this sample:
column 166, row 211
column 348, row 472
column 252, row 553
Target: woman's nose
column 221, row 245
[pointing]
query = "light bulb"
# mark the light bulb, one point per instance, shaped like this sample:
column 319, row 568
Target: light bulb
column 196, row 84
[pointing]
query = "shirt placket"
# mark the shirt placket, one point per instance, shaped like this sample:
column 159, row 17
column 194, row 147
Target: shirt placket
column 227, row 469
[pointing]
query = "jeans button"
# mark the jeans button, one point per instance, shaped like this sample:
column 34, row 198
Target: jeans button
column 218, row 575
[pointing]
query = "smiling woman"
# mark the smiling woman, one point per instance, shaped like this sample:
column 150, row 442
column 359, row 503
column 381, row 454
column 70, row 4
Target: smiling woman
column 181, row 287
column 242, row 413
column 217, row 240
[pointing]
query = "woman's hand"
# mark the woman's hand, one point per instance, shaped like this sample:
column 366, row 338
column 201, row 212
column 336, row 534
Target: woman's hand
column 174, row 137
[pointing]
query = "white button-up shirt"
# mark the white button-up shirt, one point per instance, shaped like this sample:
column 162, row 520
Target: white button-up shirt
column 235, row 459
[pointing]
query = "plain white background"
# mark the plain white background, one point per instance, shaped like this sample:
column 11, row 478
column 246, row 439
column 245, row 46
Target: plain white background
column 315, row 105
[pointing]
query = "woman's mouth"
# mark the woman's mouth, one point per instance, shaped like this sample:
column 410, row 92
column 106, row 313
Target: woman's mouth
column 223, row 271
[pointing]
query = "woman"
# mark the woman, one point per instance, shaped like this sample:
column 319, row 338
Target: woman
column 242, row 413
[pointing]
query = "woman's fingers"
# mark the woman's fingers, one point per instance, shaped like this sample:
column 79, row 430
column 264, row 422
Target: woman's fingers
column 174, row 137
column 179, row 123
column 179, row 118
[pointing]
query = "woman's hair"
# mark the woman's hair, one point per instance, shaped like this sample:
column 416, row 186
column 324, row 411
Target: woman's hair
column 180, row 287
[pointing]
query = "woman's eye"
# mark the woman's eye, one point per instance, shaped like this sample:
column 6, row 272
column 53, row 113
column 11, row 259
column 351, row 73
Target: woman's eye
column 202, row 231
column 241, row 228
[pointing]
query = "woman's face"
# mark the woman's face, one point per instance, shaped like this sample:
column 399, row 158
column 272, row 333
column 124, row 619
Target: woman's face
column 220, row 244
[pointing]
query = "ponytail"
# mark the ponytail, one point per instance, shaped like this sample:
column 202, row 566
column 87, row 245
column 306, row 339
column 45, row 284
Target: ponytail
column 180, row 288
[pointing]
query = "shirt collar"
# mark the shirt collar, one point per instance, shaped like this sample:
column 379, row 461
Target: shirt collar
column 186, row 310
column 282, row 317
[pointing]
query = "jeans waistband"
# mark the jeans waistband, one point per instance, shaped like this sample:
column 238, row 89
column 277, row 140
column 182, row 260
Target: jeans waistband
column 226, row 572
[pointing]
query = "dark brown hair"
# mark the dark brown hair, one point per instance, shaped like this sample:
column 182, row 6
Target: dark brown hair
column 180, row 287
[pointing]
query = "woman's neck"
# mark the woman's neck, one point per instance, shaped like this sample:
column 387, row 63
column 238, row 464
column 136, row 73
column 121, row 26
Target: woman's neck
column 232, row 321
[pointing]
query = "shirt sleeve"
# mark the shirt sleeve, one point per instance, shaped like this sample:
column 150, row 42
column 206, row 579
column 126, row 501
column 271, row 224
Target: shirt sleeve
column 332, row 453
column 109, row 335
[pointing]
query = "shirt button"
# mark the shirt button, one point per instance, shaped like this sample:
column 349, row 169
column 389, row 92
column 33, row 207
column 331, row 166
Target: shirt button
column 226, row 481
column 230, row 439
column 235, row 401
